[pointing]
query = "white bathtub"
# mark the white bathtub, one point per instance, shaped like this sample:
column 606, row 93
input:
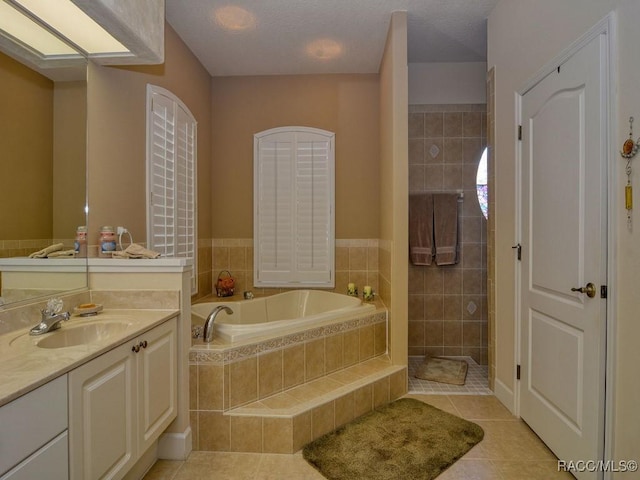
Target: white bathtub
column 278, row 314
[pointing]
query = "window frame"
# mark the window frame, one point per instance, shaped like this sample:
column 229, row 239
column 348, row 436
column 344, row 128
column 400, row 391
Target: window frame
column 298, row 277
column 183, row 241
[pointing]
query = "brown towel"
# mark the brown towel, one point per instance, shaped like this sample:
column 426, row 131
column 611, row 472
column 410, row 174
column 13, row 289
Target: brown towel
column 445, row 227
column 421, row 228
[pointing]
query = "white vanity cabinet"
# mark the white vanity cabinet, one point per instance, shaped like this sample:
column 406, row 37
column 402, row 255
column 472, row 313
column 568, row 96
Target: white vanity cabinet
column 120, row 402
column 33, row 437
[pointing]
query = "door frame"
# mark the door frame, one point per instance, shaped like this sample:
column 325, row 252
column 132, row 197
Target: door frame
column 606, row 26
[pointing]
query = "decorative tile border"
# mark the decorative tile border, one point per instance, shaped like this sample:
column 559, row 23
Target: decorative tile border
column 225, row 355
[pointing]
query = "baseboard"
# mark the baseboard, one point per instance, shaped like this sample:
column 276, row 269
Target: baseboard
column 175, row 446
column 505, row 395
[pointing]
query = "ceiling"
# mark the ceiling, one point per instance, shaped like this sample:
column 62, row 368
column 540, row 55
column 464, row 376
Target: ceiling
column 275, row 37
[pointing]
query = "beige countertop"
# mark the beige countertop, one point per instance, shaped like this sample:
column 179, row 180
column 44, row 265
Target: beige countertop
column 25, row 366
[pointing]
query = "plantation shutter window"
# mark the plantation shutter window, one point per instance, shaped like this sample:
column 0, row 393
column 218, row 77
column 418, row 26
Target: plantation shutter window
column 171, row 178
column 293, row 207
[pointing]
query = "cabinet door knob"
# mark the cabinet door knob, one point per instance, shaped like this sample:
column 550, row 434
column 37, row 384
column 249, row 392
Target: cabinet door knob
column 143, row 344
column 135, row 348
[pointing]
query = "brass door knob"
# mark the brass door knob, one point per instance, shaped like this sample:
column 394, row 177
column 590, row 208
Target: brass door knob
column 589, row 289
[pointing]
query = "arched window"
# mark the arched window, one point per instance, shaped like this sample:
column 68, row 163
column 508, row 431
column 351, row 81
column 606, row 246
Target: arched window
column 294, row 208
column 481, row 184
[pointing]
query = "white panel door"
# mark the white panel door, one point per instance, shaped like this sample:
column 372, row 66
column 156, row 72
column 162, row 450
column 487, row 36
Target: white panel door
column 564, row 231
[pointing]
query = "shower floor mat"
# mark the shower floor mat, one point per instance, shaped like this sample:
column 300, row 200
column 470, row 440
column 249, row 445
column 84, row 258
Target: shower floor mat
column 477, row 382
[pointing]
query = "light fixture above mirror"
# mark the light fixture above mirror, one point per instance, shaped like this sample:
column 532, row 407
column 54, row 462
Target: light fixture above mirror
column 50, row 34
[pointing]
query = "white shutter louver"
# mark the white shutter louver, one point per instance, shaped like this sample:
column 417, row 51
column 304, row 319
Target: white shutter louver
column 293, row 207
column 171, row 177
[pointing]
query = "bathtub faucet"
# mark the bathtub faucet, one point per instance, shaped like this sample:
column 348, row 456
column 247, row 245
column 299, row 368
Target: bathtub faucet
column 207, row 334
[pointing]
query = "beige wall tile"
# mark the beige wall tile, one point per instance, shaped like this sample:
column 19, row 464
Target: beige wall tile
column 363, row 400
column 452, row 124
column 416, row 307
column 342, row 258
column 433, row 150
column 452, row 305
column 351, row 347
column 416, row 125
column 322, row 420
column 301, row 430
column 270, row 373
column 220, row 259
column 293, row 363
column 344, row 409
column 434, row 125
column 381, row 392
column 193, row 387
column 314, row 359
column 237, row 259
column 193, row 421
column 213, row 432
column 210, row 387
column 372, row 259
column 366, row 342
column 243, row 382
column 277, row 435
column 334, row 353
column 357, row 258
column 452, row 151
column 434, row 333
column 398, row 384
column 416, row 151
column 471, row 124
column 452, row 334
column 246, row 434
column 379, row 338
column 416, row 333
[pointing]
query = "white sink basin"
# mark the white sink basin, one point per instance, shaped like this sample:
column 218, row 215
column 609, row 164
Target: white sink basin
column 82, row 334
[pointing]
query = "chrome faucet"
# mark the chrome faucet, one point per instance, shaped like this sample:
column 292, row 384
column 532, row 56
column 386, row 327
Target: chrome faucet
column 50, row 321
column 207, row 334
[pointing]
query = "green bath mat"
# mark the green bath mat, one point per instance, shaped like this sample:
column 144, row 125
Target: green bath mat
column 405, row 440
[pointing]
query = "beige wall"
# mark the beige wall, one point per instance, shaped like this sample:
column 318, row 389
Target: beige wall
column 523, row 37
column 117, row 136
column 344, row 104
column 393, row 191
column 69, row 158
column 26, row 139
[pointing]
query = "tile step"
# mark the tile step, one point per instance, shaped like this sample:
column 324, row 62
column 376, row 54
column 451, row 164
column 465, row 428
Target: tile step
column 323, row 390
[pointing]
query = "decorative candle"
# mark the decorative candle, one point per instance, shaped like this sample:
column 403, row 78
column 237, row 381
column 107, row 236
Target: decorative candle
column 367, row 290
column 351, row 288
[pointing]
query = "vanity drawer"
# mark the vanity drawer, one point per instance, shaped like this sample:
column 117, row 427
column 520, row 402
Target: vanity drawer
column 31, row 421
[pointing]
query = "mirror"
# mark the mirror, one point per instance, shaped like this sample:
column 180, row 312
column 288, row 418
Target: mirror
column 43, row 183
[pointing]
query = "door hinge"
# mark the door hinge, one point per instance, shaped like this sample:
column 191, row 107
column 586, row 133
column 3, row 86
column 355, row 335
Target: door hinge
column 519, row 132
column 517, row 372
column 603, row 291
column 519, row 248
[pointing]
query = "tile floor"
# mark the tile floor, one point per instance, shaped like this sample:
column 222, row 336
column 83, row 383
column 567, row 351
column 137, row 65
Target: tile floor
column 477, row 381
column 509, row 451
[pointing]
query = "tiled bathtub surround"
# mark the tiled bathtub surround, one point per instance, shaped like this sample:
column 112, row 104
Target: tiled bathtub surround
column 356, row 261
column 448, row 305
column 230, row 383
